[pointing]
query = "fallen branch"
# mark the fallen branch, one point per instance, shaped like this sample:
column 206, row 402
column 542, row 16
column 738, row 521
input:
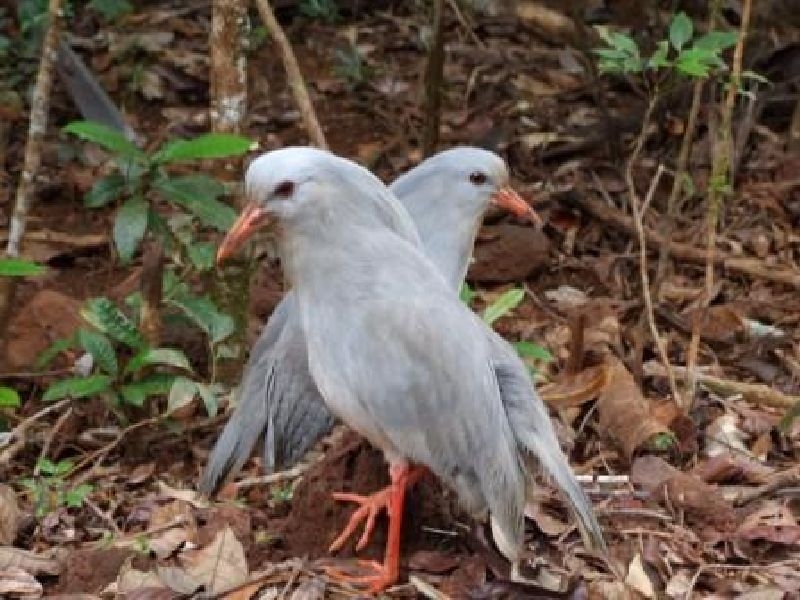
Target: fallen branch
column 748, row 266
column 293, row 75
column 757, row 393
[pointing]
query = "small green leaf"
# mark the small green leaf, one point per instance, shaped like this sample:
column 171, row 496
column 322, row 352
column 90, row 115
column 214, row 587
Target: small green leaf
column 74, row 498
column 53, row 350
column 19, row 267
column 507, row 302
column 77, row 387
column 46, row 466
column 467, row 294
column 182, row 393
column 99, row 346
column 104, row 315
column 624, row 43
column 716, row 41
column 659, row 58
column 205, row 315
column 531, row 350
column 198, row 194
column 210, row 145
column 129, row 227
column 9, row 398
column 202, row 255
column 159, row 356
column 105, row 190
column 680, row 30
column 104, row 136
column 610, row 53
column 111, row 10
column 209, row 398
column 157, row 384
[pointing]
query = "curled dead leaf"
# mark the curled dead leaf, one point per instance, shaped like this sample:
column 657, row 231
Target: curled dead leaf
column 624, row 413
column 577, row 389
column 10, row 515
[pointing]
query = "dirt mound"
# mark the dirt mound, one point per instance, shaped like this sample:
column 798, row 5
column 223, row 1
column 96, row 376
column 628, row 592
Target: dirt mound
column 352, row 465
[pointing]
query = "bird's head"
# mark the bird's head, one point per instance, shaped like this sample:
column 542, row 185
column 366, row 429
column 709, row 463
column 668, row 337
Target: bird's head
column 308, row 185
column 471, row 177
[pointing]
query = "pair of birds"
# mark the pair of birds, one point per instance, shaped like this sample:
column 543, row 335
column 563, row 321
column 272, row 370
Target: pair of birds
column 373, row 332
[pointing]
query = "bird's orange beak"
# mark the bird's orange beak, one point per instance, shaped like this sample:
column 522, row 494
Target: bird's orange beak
column 507, row 199
column 252, row 218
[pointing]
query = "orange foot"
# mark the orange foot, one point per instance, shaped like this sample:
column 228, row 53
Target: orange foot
column 377, row 581
column 370, row 507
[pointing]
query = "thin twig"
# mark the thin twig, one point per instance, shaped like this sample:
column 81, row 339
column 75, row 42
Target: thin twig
column 278, row 477
column 18, row 433
column 750, row 266
column 756, row 393
column 293, row 75
column 638, row 217
column 721, row 177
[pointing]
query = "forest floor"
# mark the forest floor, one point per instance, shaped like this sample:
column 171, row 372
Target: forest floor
column 711, row 513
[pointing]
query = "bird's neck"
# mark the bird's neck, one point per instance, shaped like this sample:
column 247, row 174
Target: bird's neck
column 448, row 237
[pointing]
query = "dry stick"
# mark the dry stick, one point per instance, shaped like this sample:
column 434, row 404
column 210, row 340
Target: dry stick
column 755, row 393
column 721, row 172
column 638, row 215
column 752, row 267
column 677, row 183
column 295, row 78
column 434, row 72
column 33, row 155
column 18, row 433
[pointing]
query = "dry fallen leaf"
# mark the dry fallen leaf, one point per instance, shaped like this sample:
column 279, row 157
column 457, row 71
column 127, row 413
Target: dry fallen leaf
column 574, row 390
column 17, row 583
column 9, row 515
column 638, row 579
column 220, row 566
column 623, row 412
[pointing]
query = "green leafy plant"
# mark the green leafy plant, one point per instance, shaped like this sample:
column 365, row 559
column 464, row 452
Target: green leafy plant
column 111, row 10
column 114, row 338
column 49, row 489
column 282, row 494
column 112, row 332
column 352, row 67
column 141, row 179
column 502, row 306
column 682, row 52
column 19, row 267
column 323, row 10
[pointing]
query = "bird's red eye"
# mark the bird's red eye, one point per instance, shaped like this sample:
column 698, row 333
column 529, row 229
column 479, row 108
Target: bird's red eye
column 285, row 189
column 477, row 178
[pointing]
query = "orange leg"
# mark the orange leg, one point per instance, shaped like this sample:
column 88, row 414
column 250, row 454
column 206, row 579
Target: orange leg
column 392, row 498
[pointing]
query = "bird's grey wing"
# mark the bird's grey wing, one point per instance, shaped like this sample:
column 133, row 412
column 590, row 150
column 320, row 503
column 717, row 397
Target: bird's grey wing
column 534, row 432
column 298, row 416
column 277, row 399
column 437, row 403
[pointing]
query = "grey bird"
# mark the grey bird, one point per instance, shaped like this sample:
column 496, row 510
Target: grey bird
column 396, row 355
column 446, row 198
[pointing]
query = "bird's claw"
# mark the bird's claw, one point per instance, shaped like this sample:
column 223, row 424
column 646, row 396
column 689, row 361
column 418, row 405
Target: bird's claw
column 370, row 507
column 375, row 582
